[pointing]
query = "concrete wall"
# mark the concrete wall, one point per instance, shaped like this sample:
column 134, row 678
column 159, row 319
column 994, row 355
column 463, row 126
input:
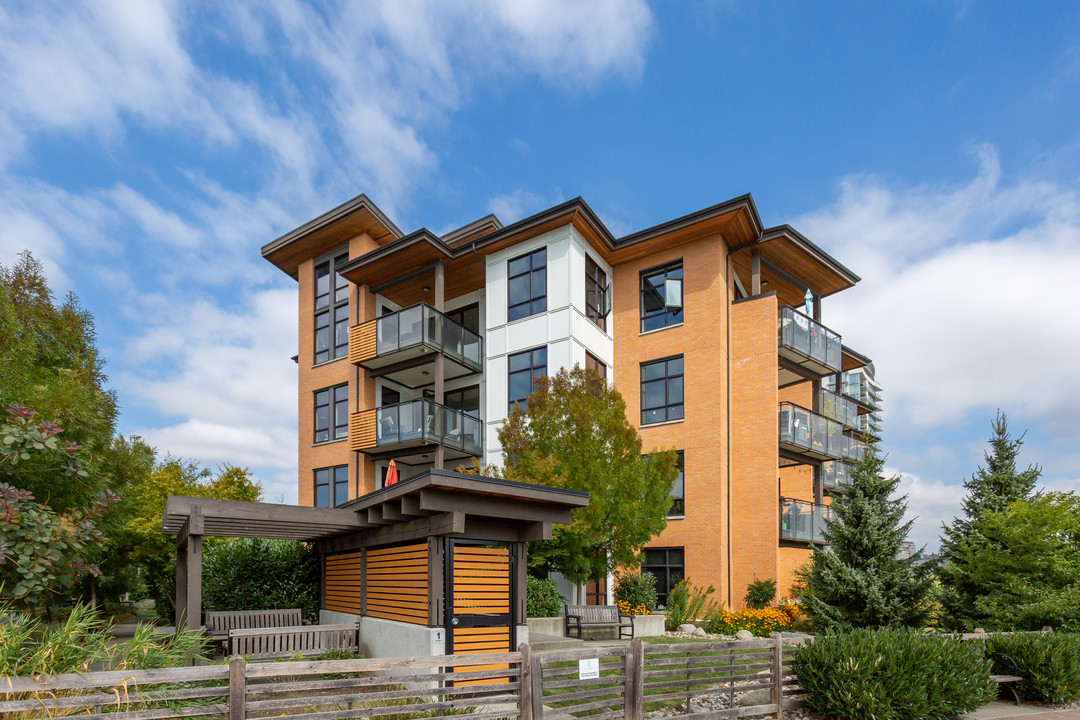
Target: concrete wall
column 389, row 638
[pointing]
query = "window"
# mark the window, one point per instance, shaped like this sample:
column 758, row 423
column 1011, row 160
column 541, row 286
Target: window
column 678, row 506
column 389, row 396
column 331, row 311
column 331, row 484
column 662, row 391
column 666, row 565
column 467, row 400
column 527, row 285
column 596, row 293
column 468, row 317
column 523, row 369
column 661, row 296
column 596, row 365
column 332, row 413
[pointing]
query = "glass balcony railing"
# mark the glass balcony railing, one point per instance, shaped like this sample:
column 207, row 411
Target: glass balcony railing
column 425, row 421
column 808, row 433
column 412, row 329
column 803, row 521
column 842, row 409
column 808, row 343
column 835, row 474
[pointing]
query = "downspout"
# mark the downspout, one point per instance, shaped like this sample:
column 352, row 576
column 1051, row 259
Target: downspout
column 727, row 328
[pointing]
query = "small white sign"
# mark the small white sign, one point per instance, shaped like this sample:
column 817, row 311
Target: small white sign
column 588, row 668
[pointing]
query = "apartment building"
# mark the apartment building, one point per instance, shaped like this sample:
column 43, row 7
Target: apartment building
column 414, row 346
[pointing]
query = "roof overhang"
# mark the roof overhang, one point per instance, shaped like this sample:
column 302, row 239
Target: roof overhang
column 852, row 360
column 791, row 264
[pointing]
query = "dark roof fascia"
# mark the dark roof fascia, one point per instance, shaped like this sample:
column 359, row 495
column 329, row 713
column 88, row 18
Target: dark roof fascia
column 421, row 235
column 488, row 220
column 574, row 204
column 812, row 249
column 360, row 202
column 429, row 479
column 692, row 218
column 855, row 354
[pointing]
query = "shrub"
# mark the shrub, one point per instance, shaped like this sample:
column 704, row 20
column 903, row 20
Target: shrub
column 760, row 594
column 542, row 598
column 258, row 574
column 635, row 593
column 687, row 603
column 1049, row 664
column 893, row 673
column 762, row 623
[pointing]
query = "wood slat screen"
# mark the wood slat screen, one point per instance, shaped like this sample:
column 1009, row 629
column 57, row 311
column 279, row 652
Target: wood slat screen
column 362, row 342
column 481, row 640
column 397, row 583
column 343, row 583
column 481, row 580
column 362, row 430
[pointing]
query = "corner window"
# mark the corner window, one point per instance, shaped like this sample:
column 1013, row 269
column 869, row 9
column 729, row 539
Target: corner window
column 332, row 486
column 332, row 413
column 522, row 370
column 596, row 293
column 678, row 506
column 596, row 365
column 331, row 311
column 662, row 391
column 526, row 286
column 666, row 565
column 661, row 296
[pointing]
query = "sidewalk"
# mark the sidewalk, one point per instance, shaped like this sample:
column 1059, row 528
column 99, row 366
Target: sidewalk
column 1008, row 711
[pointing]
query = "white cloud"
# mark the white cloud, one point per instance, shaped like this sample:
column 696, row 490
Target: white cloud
column 514, row 206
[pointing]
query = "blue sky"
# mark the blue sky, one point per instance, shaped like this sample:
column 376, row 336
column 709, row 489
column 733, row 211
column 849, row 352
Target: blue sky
column 147, row 151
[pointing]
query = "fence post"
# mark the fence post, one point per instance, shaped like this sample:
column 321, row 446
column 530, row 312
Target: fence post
column 778, row 674
column 536, row 682
column 237, row 687
column 634, row 689
column 525, row 680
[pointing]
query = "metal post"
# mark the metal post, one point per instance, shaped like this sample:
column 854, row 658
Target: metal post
column 755, row 272
column 440, row 302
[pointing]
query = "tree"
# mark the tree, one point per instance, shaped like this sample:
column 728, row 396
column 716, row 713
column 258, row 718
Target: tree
column 991, row 489
column 573, row 434
column 859, row 581
column 1026, row 561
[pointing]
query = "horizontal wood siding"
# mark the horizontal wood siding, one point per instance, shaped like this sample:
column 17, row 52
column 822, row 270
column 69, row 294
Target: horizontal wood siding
column 362, row 342
column 362, row 430
column 481, row 580
column 343, row 583
column 481, row 640
column 397, row 583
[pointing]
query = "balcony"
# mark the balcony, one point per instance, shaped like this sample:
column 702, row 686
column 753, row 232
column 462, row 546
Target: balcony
column 835, row 474
column 398, row 344
column 814, row 436
column 410, row 430
column 808, row 344
column 802, row 521
column 842, row 409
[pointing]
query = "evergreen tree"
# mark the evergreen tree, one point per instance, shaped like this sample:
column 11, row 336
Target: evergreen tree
column 990, row 490
column 858, row 581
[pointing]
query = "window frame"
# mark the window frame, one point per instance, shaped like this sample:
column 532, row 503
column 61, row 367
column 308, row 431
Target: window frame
column 595, row 364
column 531, row 369
column 458, row 316
column 331, row 311
column 537, row 302
column 678, row 502
column 596, row 286
column 668, row 406
column 672, row 315
column 336, row 481
column 663, row 582
column 332, row 403
column 460, row 392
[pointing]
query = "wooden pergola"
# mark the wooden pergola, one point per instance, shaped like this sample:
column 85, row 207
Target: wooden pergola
column 427, row 516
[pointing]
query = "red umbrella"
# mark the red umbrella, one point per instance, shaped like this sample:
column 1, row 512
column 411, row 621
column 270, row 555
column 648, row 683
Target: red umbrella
column 391, row 474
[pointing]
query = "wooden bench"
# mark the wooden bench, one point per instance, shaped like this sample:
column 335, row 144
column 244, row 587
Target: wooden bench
column 579, row 616
column 1008, row 681
column 266, row 643
column 220, row 623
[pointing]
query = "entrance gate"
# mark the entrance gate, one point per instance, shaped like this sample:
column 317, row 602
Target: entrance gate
column 480, row 600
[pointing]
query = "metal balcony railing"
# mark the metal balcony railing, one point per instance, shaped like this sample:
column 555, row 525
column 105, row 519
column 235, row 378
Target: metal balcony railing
column 808, row 343
column 417, row 422
column 803, row 521
column 819, row 437
column 420, row 326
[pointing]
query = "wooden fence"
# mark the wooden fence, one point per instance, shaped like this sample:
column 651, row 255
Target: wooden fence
column 703, row 679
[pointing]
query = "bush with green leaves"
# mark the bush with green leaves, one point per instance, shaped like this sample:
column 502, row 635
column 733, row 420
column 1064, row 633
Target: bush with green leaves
column 542, row 598
column 259, row 574
column 893, row 673
column 760, row 594
column 635, row 591
column 1049, row 664
column 687, row 603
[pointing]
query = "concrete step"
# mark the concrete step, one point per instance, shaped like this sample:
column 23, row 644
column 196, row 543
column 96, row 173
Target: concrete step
column 538, row 642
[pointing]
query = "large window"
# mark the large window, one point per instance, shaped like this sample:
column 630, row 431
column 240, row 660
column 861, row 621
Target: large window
column 468, row 317
column 527, row 285
column 331, row 486
column 662, row 391
column 332, row 413
column 596, row 307
column 331, row 311
column 522, row 370
column 661, row 296
column 467, row 400
column 678, row 503
column 666, row 565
